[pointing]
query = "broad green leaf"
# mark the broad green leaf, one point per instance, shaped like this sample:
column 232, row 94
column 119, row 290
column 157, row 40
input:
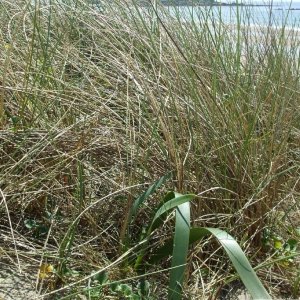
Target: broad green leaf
column 240, row 263
column 126, row 289
column 176, row 201
column 233, row 250
column 169, row 196
column 180, row 250
column 291, row 245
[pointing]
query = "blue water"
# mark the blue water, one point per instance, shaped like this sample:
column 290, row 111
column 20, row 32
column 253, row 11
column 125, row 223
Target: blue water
column 277, row 15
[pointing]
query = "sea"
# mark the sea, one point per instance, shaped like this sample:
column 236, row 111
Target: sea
column 275, row 14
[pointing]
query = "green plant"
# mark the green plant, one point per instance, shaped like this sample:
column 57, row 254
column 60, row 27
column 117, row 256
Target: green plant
column 124, row 290
column 183, row 237
column 126, row 238
column 101, row 281
column 38, row 229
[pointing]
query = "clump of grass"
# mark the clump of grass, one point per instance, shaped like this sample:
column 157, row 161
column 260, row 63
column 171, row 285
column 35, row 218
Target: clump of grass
column 128, row 94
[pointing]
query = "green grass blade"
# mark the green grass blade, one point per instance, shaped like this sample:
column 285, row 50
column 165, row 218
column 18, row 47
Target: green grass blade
column 180, row 250
column 125, row 235
column 156, row 185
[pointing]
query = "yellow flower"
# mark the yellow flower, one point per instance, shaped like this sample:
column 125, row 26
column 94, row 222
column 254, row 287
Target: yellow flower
column 277, row 244
column 45, row 269
column 7, row 46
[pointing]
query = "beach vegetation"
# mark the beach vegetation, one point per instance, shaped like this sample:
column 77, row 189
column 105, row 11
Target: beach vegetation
column 147, row 152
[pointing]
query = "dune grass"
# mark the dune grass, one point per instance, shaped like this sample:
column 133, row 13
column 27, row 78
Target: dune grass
column 98, row 102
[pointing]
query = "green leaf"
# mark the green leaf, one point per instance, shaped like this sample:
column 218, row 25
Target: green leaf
column 126, row 289
column 233, row 250
column 180, row 250
column 241, row 264
column 169, row 196
column 115, row 287
column 146, row 194
column 291, row 245
column 177, row 200
column 30, row 224
column 101, row 277
column 144, row 288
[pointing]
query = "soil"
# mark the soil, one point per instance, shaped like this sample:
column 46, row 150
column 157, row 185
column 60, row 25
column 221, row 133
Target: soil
column 15, row 285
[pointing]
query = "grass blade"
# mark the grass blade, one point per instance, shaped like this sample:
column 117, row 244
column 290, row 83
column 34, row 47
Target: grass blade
column 156, row 185
column 125, row 232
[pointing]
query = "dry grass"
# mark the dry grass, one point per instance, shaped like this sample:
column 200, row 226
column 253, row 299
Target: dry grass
column 125, row 98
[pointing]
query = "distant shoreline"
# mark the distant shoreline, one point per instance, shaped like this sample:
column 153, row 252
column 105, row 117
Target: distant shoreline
column 205, row 4
column 216, row 4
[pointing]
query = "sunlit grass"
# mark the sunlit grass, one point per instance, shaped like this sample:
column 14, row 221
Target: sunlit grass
column 126, row 95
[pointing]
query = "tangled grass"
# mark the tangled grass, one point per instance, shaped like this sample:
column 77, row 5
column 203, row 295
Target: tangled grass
column 97, row 102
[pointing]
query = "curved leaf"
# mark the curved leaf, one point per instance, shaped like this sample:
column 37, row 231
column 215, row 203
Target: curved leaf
column 172, row 200
column 176, row 201
column 233, row 250
column 240, row 263
column 180, row 250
